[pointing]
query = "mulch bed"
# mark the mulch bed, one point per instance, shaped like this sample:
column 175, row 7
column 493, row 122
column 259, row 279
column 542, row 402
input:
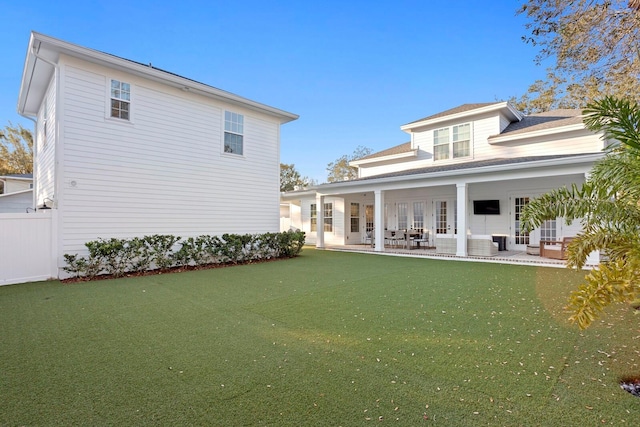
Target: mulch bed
column 170, row 270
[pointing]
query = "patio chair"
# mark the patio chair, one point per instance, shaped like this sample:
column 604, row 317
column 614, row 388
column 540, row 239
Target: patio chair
column 423, row 238
column 369, row 237
column 555, row 249
column 391, row 237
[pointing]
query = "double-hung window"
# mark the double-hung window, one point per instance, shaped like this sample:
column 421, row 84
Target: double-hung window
column 313, row 215
column 328, row 217
column 120, row 100
column 452, row 142
column 461, row 140
column 441, row 144
column 233, row 133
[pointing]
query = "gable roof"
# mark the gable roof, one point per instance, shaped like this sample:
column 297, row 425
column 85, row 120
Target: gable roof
column 398, row 149
column 44, row 53
column 546, row 120
column 456, row 110
column 465, row 112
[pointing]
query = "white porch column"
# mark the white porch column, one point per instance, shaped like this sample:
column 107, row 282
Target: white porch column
column 461, row 190
column 320, row 223
column 378, row 220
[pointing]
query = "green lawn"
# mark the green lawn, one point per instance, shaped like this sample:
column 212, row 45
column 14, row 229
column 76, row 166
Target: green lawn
column 323, row 339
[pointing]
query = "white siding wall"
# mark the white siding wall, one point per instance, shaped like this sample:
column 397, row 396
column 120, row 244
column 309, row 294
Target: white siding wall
column 16, row 202
column 165, row 171
column 335, row 237
column 505, row 191
column 45, row 168
column 482, row 128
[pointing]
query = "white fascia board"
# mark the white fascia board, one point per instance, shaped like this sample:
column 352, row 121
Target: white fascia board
column 412, row 153
column 61, row 47
column 15, row 193
column 535, row 134
column 515, row 115
column 17, row 178
column 294, row 195
column 418, row 180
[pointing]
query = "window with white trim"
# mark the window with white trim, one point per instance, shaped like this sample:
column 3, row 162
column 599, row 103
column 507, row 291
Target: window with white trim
column 355, row 217
column 418, row 215
column 548, row 230
column 441, row 144
column 452, row 142
column 328, row 217
column 233, row 133
column 403, row 215
column 521, row 237
column 461, row 141
column 313, row 215
column 120, row 99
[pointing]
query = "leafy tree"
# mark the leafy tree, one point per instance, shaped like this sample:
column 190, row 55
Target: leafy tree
column 339, row 170
column 290, row 178
column 608, row 204
column 16, row 150
column 594, row 44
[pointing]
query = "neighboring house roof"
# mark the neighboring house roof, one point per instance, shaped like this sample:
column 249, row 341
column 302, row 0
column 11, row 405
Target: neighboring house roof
column 44, row 51
column 466, row 165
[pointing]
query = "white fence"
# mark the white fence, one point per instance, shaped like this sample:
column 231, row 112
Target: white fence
column 27, row 247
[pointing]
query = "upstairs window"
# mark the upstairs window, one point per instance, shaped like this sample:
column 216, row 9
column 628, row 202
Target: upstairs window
column 461, row 141
column 233, row 132
column 120, row 99
column 441, row 144
column 452, row 142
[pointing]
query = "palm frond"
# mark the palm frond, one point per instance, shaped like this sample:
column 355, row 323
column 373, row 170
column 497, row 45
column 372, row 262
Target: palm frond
column 618, row 119
column 611, row 283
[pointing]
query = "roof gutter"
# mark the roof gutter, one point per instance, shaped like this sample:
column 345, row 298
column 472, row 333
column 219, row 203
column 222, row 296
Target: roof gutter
column 526, row 135
column 345, row 185
column 165, row 77
column 37, row 56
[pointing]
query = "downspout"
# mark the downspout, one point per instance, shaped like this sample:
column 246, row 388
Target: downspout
column 55, row 236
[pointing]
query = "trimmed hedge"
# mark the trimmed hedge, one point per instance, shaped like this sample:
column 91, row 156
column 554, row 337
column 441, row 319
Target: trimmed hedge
column 117, row 257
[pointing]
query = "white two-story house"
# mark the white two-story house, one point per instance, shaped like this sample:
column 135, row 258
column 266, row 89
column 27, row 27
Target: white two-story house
column 125, row 149
column 465, row 171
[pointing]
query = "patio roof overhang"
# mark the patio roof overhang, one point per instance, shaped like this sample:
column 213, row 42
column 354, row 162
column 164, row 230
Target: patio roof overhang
column 470, row 172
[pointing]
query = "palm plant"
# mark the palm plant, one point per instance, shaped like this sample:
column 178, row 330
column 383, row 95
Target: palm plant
column 608, row 205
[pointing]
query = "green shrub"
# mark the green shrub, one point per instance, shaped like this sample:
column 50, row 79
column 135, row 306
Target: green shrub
column 118, row 256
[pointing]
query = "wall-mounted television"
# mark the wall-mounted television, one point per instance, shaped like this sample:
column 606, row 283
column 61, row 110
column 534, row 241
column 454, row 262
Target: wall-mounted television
column 486, row 207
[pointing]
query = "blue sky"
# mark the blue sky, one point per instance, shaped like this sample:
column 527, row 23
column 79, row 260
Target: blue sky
column 354, row 71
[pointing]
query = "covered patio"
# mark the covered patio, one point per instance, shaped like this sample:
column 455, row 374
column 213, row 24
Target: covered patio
column 516, row 257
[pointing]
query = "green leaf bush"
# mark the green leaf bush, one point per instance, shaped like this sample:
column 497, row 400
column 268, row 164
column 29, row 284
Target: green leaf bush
column 117, row 257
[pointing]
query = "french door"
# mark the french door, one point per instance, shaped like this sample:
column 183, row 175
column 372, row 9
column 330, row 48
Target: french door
column 445, row 216
column 547, row 231
column 355, row 235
